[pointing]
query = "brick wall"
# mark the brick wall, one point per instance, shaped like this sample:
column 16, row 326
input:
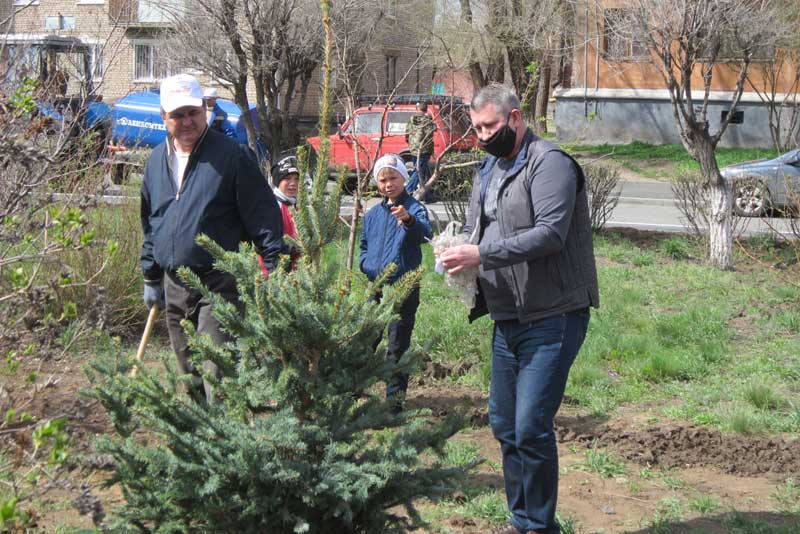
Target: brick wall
column 642, row 73
column 93, row 24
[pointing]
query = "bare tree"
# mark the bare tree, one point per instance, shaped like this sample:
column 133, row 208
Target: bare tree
column 777, row 82
column 782, row 105
column 688, row 39
column 354, row 25
column 272, row 44
column 506, row 41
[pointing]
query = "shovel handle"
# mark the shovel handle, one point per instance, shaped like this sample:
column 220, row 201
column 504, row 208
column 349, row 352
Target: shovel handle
column 148, row 328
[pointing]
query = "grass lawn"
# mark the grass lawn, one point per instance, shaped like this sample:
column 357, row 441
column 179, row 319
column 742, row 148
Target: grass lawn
column 687, row 340
column 664, row 161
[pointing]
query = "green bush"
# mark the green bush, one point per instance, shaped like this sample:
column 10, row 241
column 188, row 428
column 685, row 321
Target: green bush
column 112, row 297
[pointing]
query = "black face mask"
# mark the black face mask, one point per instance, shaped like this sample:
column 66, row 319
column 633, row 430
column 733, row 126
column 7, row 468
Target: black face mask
column 501, row 144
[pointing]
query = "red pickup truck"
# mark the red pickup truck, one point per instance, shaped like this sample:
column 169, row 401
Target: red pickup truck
column 380, row 122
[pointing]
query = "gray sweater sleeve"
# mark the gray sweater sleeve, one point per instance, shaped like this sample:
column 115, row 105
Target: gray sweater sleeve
column 553, row 188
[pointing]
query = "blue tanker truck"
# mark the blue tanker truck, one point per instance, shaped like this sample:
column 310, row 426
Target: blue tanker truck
column 136, row 124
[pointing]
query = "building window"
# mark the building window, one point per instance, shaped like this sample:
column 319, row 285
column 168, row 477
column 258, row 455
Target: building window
column 737, row 118
column 618, row 40
column 23, row 3
column 391, row 9
column 148, row 65
column 391, row 72
column 97, row 62
column 59, row 22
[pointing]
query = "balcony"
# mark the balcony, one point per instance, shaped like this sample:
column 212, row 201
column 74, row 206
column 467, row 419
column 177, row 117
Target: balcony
column 145, row 13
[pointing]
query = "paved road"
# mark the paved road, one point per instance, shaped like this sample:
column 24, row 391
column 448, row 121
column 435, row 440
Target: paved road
column 642, row 205
column 649, row 206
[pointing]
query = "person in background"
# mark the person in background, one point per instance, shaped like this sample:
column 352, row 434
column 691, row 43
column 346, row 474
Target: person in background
column 394, row 232
column 285, row 185
column 419, row 136
column 216, row 118
column 199, row 181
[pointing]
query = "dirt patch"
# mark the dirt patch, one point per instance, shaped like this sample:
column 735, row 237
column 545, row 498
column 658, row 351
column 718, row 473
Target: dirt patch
column 669, row 446
column 693, row 446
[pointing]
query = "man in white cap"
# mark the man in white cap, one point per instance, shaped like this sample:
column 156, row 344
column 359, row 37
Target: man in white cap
column 216, row 118
column 199, row 181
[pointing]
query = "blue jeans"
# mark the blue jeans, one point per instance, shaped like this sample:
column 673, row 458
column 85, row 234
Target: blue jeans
column 530, row 364
column 420, row 174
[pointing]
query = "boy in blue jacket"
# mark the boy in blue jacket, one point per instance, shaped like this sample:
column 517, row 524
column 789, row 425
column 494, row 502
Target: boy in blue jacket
column 393, row 232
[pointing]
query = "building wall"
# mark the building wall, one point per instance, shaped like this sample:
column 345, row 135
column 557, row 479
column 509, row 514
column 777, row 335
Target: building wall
column 456, row 83
column 92, row 24
column 593, row 69
column 622, row 100
column 623, row 116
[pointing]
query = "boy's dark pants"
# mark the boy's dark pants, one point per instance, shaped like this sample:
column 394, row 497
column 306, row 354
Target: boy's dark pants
column 399, row 340
column 184, row 302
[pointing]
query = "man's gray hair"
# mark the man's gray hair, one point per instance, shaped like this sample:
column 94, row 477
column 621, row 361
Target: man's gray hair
column 502, row 97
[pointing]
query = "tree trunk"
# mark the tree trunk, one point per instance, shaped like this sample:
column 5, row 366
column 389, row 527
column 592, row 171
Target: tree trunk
column 286, row 112
column 543, row 95
column 475, row 71
column 269, row 116
column 720, row 225
column 720, row 220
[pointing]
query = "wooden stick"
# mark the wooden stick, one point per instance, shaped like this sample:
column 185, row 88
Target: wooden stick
column 151, row 321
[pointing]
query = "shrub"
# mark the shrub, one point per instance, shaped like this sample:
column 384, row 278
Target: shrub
column 454, row 184
column 114, row 296
column 601, row 184
column 691, row 197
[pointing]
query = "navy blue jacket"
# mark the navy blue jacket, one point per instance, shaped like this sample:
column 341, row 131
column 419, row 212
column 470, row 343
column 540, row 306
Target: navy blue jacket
column 384, row 242
column 223, row 195
column 219, row 121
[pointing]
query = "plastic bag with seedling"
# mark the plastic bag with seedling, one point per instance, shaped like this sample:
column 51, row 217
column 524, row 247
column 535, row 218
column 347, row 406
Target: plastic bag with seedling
column 465, row 282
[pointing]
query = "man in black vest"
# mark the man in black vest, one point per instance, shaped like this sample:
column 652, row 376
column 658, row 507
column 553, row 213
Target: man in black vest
column 528, row 218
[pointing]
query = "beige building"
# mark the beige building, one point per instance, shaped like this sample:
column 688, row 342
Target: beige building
column 126, row 56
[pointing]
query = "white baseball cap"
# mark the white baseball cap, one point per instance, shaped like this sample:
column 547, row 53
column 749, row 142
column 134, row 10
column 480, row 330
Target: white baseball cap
column 211, row 92
column 390, row 161
column 179, row 91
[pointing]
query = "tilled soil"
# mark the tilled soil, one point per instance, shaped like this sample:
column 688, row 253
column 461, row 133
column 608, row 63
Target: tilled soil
column 692, row 446
column 669, row 446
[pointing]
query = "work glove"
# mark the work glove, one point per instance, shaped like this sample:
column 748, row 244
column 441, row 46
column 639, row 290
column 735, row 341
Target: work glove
column 154, row 295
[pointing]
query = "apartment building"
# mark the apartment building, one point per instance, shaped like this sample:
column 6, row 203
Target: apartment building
column 618, row 95
column 126, row 56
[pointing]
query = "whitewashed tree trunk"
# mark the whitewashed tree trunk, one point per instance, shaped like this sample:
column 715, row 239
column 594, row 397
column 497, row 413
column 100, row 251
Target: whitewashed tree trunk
column 720, row 224
column 720, row 220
